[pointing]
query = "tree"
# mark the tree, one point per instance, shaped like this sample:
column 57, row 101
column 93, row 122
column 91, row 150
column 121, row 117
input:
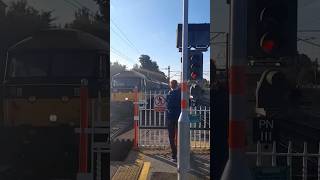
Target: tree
column 206, row 83
column 135, row 66
column 148, row 64
column 82, row 20
column 21, row 21
column 85, row 21
column 116, row 67
column 150, row 69
column 104, row 10
column 306, row 71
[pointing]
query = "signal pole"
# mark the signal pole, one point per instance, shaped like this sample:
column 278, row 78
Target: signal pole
column 169, row 74
column 183, row 122
column 236, row 167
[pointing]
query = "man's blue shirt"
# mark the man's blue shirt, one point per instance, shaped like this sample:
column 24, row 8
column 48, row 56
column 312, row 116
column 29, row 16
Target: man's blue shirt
column 173, row 104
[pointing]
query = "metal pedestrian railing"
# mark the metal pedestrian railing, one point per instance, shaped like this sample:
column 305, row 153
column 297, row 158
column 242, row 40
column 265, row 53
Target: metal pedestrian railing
column 289, row 155
column 152, row 124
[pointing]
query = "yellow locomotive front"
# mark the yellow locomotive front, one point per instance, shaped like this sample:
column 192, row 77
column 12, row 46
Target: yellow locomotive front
column 41, row 91
column 125, row 84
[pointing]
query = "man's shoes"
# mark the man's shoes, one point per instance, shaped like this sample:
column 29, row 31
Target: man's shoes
column 173, row 159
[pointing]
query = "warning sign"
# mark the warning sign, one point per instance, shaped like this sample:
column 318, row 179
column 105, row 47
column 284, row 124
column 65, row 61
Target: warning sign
column 159, row 103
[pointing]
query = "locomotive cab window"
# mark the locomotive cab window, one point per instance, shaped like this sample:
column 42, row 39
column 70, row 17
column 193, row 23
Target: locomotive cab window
column 73, row 65
column 28, row 65
column 126, row 83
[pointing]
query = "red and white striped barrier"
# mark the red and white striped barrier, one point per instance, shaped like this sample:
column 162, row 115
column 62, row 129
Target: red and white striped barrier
column 83, row 143
column 136, row 117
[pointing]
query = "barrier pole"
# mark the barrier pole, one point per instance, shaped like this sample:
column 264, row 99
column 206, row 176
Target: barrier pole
column 236, row 167
column 83, row 144
column 183, row 148
column 135, row 117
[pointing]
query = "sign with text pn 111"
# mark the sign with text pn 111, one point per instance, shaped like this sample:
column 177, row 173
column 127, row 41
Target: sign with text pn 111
column 264, row 129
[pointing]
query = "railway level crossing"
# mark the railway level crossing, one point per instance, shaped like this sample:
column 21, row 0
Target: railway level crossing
column 152, row 126
column 99, row 134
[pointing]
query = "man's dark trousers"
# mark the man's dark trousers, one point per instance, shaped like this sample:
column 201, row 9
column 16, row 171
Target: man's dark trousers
column 173, row 113
column 172, row 127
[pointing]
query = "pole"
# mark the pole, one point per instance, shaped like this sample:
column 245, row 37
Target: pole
column 183, row 122
column 236, row 167
column 135, row 117
column 227, row 55
column 169, row 74
column 83, row 151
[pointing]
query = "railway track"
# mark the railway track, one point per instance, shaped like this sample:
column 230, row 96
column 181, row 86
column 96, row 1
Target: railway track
column 119, row 127
column 300, row 130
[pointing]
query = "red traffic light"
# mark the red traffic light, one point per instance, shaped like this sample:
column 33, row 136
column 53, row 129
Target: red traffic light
column 272, row 28
column 269, row 43
column 268, row 46
column 194, row 75
column 195, row 65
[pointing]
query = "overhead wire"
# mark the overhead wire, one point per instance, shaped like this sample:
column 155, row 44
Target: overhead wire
column 79, row 5
column 125, row 36
column 72, row 4
column 308, row 42
column 119, row 29
column 122, row 55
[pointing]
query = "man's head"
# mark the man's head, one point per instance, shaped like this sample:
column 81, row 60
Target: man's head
column 173, row 84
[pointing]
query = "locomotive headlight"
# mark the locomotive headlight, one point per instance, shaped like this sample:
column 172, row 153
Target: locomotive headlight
column 53, row 118
column 32, row 99
column 65, row 99
column 126, row 98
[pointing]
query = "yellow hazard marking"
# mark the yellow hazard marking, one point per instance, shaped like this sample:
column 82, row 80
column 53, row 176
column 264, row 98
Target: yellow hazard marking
column 145, row 171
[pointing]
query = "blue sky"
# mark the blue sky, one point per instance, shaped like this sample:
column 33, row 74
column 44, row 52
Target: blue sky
column 150, row 26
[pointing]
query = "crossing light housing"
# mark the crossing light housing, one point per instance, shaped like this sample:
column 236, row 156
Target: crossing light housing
column 272, row 28
column 195, row 71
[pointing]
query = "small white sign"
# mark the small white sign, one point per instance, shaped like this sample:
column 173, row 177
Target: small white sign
column 159, row 103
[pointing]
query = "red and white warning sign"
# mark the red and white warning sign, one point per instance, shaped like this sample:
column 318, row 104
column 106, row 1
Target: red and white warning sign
column 159, row 103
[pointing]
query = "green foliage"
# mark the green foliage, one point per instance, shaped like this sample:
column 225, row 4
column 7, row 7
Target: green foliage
column 22, row 21
column 104, row 10
column 206, row 83
column 150, row 68
column 148, row 64
column 116, row 68
column 86, row 22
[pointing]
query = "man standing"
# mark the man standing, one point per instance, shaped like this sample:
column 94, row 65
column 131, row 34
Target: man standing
column 173, row 113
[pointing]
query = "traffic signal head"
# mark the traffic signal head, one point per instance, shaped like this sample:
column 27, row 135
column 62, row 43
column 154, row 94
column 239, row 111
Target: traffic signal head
column 272, row 28
column 195, row 66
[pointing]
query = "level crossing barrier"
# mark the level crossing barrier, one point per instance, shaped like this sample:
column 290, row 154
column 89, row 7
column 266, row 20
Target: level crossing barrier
column 289, row 155
column 152, row 126
column 98, row 132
